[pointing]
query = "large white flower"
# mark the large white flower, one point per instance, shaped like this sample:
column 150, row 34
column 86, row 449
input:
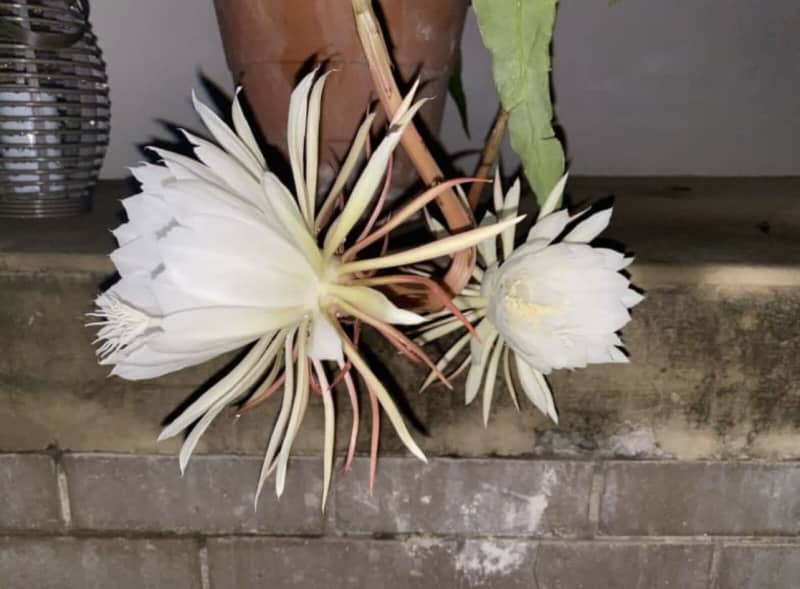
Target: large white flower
column 219, row 253
column 554, row 302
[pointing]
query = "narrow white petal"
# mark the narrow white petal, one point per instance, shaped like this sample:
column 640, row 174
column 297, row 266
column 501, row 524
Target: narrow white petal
column 441, row 247
column 402, row 110
column 445, row 361
column 488, row 249
column 512, row 389
column 374, row 383
column 216, row 392
column 284, row 207
column 227, row 168
column 330, row 431
column 480, row 352
column 490, row 382
column 244, row 384
column 186, row 168
column 283, row 413
column 554, row 198
column 497, row 192
column 549, row 227
column 301, row 392
column 590, row 228
column 226, row 138
column 536, row 388
column 312, row 145
column 509, row 209
column 245, row 132
column 350, row 161
column 367, row 184
column 296, row 136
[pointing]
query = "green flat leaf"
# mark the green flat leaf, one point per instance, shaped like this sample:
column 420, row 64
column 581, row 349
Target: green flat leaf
column 455, row 87
column 518, row 34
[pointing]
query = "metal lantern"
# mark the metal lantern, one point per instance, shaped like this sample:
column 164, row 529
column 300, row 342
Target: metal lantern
column 54, row 108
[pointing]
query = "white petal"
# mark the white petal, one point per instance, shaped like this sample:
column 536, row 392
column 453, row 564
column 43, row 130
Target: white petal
column 350, row 161
column 367, row 184
column 185, row 168
column 554, row 198
column 296, row 136
column 324, row 342
column 151, row 177
column 137, row 257
column 510, row 207
column 312, row 144
column 146, row 213
column 226, row 138
column 228, row 168
column 244, row 131
column 220, row 270
column 536, row 388
column 284, row 208
column 218, row 390
column 480, row 351
column 631, row 298
column 590, row 228
column 376, row 304
column 490, row 382
column 488, row 248
column 137, row 291
column 549, row 227
column 198, row 330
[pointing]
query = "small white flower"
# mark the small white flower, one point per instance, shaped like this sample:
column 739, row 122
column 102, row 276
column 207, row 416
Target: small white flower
column 219, row 253
column 550, row 304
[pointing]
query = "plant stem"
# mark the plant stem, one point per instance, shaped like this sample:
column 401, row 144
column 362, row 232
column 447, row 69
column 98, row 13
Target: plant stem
column 489, row 156
column 458, row 217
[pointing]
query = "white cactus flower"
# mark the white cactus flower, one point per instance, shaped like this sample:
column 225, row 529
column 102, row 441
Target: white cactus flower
column 549, row 304
column 219, row 254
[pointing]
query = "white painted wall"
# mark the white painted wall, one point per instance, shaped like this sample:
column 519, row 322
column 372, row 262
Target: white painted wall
column 698, row 87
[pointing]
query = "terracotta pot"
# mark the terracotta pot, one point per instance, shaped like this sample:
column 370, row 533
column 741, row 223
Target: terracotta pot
column 270, row 43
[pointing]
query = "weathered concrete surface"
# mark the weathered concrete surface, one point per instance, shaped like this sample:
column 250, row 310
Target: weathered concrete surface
column 591, row 565
column 689, row 499
column 714, row 347
column 28, row 493
column 475, row 497
column 215, row 495
column 98, row 563
column 714, row 373
column 755, row 566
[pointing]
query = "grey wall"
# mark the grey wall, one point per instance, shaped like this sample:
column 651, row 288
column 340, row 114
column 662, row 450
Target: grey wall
column 699, row 87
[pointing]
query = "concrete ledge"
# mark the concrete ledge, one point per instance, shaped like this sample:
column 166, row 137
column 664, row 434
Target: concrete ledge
column 713, row 347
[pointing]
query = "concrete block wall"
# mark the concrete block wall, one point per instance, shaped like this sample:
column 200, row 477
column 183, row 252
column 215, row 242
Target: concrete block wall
column 94, row 520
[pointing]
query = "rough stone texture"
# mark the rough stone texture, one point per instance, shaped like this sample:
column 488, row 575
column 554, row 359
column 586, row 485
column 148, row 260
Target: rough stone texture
column 595, row 565
column 507, row 497
column 413, row 563
column 675, row 499
column 760, row 567
column 70, row 563
column 141, row 493
column 28, row 493
column 713, row 374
